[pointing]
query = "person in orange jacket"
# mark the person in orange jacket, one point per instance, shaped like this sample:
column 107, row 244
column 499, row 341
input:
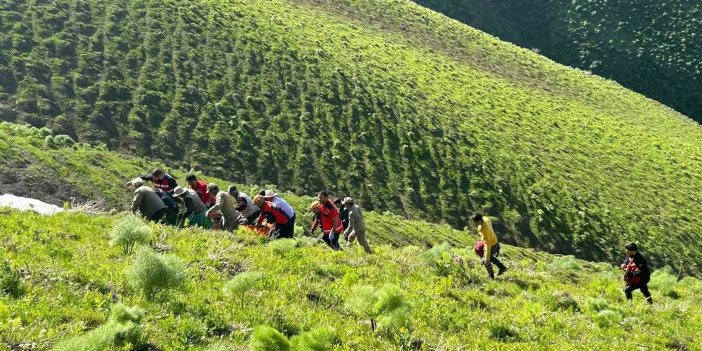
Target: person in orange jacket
column 327, row 216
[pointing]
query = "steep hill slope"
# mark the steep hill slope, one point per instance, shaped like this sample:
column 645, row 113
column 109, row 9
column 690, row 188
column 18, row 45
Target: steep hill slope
column 407, row 110
column 60, row 280
column 653, row 47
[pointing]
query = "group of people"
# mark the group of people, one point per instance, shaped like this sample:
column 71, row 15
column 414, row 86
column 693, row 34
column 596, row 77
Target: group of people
column 208, row 207
column 205, row 205
column 637, row 274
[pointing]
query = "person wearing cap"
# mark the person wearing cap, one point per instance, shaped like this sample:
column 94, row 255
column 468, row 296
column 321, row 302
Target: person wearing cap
column 162, row 181
column 200, row 188
column 245, row 205
column 637, row 274
column 326, row 219
column 343, row 215
column 194, row 208
column 357, row 227
column 491, row 246
column 289, row 228
column 146, row 201
column 224, row 204
column 274, row 214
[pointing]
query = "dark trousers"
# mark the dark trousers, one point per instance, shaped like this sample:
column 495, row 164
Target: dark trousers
column 494, row 251
column 629, row 289
column 333, row 243
column 158, row 215
column 253, row 218
column 288, row 230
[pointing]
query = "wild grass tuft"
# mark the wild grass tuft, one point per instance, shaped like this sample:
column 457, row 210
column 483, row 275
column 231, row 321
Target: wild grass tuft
column 128, row 232
column 152, row 273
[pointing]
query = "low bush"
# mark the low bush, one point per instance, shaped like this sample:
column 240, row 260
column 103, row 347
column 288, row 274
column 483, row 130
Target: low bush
column 503, row 332
column 152, row 273
column 320, row 339
column 665, row 282
column 386, row 306
column 563, row 301
column 242, row 283
column 122, row 328
column 129, row 231
column 10, row 280
column 268, row 339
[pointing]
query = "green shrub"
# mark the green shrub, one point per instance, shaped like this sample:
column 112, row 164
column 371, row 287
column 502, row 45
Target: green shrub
column 151, row 272
column 283, row 246
column 320, row 339
column 10, row 280
column 64, row 140
column 44, row 132
column 565, row 263
column 242, row 283
column 122, row 328
column 386, row 305
column 605, row 318
column 563, row 301
column 665, row 282
column 129, row 231
column 438, row 258
column 220, row 346
column 49, row 141
column 268, row 339
column 503, row 332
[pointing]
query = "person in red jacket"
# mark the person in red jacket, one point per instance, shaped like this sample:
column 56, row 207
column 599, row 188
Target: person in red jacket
column 272, row 213
column 200, row 188
column 327, row 215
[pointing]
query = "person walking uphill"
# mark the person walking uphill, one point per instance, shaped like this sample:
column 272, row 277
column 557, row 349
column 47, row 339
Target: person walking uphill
column 328, row 218
column 194, row 208
column 636, row 273
column 492, row 247
column 225, row 204
column 147, row 202
column 357, row 227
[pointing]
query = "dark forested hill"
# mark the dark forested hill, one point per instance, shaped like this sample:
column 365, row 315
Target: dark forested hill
column 403, row 108
column 651, row 46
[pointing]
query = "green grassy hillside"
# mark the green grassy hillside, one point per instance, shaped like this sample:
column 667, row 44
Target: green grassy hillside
column 653, row 47
column 63, row 287
column 399, row 106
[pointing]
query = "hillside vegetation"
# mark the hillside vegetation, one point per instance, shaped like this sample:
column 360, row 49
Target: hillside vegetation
column 404, row 109
column 653, row 47
column 62, row 287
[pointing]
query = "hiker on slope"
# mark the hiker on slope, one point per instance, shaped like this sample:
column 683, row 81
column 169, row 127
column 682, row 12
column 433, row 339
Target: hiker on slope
column 224, row 204
column 200, row 188
column 491, row 246
column 273, row 213
column 287, row 230
column 327, row 217
column 146, row 201
column 245, row 205
column 194, row 208
column 343, row 215
column 636, row 273
column 357, row 227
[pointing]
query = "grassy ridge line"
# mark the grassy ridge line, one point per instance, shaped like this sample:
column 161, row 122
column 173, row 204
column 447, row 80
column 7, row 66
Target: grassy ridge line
column 71, row 279
column 653, row 49
column 88, row 173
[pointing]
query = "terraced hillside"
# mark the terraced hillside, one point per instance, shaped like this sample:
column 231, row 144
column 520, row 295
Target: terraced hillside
column 408, row 111
column 653, row 47
column 63, row 287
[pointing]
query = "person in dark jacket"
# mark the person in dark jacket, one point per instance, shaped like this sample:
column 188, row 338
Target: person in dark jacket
column 146, row 201
column 343, row 215
column 194, row 208
column 637, row 274
column 162, row 181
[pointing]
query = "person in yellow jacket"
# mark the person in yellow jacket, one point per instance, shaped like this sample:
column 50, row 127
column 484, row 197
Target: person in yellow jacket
column 492, row 247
